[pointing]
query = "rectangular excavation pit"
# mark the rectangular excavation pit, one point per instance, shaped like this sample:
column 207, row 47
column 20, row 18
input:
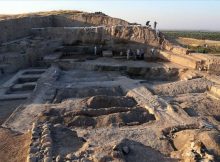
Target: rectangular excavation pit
column 152, row 73
column 132, row 117
column 18, row 92
column 26, row 79
column 103, row 101
column 33, row 72
column 24, row 87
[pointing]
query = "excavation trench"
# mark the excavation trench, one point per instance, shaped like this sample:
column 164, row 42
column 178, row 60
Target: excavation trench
column 66, row 93
column 130, row 117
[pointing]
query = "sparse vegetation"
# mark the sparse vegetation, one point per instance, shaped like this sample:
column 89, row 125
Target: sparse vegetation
column 193, row 34
column 196, row 45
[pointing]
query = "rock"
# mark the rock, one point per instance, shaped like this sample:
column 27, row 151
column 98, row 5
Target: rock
column 75, row 161
column 190, row 154
column 58, row 158
column 162, row 137
column 34, row 137
column 209, row 157
column 48, row 151
column 46, row 136
column 85, row 160
column 115, row 147
column 35, row 133
column 77, row 154
column 46, row 131
column 45, row 140
column 34, row 143
column 116, row 154
column 125, row 149
column 47, row 144
column 69, row 156
column 192, row 145
column 33, row 149
column 48, row 159
column 46, row 126
column 58, row 125
column 31, row 158
column 34, row 127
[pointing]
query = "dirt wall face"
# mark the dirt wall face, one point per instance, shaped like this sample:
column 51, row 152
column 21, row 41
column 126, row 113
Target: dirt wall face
column 105, row 35
column 12, row 29
column 19, row 27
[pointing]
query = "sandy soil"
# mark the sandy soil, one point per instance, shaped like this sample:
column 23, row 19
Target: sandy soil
column 7, row 107
column 13, row 146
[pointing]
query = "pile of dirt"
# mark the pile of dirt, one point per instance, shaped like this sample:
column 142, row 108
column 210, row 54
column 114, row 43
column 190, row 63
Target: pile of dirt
column 133, row 117
column 110, row 101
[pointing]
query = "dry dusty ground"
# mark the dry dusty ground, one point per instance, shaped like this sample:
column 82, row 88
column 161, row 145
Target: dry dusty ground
column 13, row 146
column 89, row 115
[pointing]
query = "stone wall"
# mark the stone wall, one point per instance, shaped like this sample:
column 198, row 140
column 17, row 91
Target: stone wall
column 213, row 64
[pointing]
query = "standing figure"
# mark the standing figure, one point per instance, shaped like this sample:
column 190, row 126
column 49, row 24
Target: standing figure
column 142, row 54
column 128, row 54
column 95, row 50
column 155, row 25
column 138, row 54
column 152, row 53
column 147, row 23
column 101, row 50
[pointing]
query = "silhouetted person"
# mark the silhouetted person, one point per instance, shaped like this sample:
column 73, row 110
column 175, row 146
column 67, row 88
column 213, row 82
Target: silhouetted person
column 147, row 23
column 153, row 53
column 128, row 54
column 101, row 49
column 95, row 50
column 155, row 25
column 138, row 54
column 142, row 54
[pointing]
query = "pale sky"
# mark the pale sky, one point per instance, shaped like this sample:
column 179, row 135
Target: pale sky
column 170, row 14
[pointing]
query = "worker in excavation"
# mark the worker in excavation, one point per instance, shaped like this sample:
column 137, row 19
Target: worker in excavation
column 147, row 23
column 128, row 54
column 138, row 54
column 155, row 25
column 157, row 35
column 142, row 54
column 95, row 50
column 153, row 53
column 101, row 50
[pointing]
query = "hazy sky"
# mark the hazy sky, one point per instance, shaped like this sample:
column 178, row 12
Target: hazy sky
column 170, row 14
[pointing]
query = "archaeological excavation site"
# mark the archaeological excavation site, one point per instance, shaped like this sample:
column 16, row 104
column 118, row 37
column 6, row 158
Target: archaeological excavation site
column 87, row 87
